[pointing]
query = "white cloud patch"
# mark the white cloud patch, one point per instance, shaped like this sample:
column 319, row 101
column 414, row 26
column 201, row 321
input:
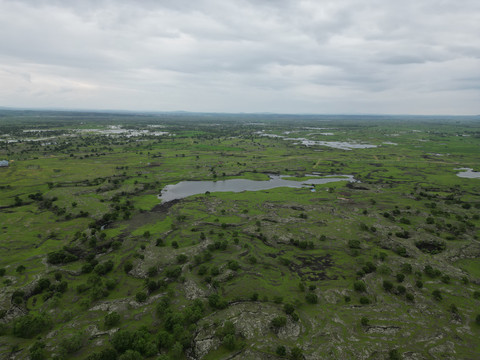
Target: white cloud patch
column 342, row 56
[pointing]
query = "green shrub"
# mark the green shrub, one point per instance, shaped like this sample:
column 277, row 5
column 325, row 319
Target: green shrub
column 141, row 296
column 296, row 353
column 364, row 300
column 174, row 272
column 152, row 271
column 227, row 335
column 437, row 295
column 202, row 270
column 359, row 286
column 229, row 342
column 387, row 285
column 216, row 303
column 37, row 351
column 131, row 355
column 281, row 351
column 110, row 284
column 401, row 250
column 453, row 308
column 369, row 267
column 105, row 354
column 152, row 286
column 394, row 355
column 233, row 265
column 30, row 325
column 431, row 272
column 177, row 351
column 279, row 321
column 111, row 319
column 73, row 343
column 406, row 269
column 60, row 257
column 288, row 308
column 384, row 270
column 128, row 267
column 164, row 340
column 354, row 244
column 278, row 299
column 41, row 285
column 139, row 340
column 311, row 298
column 182, row 258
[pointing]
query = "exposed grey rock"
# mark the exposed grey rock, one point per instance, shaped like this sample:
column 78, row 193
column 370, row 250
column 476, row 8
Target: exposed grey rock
column 252, row 321
column 445, row 350
column 226, row 275
column 12, row 313
column 192, row 290
column 138, row 272
column 124, row 304
column 250, row 354
column 203, row 345
column 52, row 334
column 93, row 332
column 409, row 355
column 388, row 330
column 290, row 331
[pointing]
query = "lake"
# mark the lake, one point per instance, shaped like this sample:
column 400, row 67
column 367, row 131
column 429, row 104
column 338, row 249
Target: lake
column 188, row 188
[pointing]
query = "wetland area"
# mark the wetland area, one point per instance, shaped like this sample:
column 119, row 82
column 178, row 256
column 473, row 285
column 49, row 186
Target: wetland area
column 186, row 236
column 188, row 188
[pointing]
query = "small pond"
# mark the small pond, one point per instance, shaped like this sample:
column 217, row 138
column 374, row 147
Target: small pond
column 468, row 173
column 188, row 188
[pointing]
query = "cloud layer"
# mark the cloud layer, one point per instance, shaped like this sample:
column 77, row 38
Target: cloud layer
column 295, row 56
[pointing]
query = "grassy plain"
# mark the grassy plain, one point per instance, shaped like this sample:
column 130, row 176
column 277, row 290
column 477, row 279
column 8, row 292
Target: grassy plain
column 373, row 269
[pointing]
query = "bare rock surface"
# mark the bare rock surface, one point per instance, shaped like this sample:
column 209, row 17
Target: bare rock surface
column 252, row 321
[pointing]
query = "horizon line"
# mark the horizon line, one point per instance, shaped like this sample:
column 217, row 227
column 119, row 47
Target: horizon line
column 150, row 112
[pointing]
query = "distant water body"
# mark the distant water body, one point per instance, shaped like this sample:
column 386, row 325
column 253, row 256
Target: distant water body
column 468, row 173
column 189, row 188
column 342, row 145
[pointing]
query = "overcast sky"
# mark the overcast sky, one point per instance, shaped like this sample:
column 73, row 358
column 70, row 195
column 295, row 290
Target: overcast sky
column 284, row 56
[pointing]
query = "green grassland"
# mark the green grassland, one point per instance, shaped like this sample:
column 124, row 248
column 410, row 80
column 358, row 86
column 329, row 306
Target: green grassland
column 383, row 268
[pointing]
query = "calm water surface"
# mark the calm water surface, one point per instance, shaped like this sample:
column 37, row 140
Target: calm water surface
column 188, row 188
column 468, row 173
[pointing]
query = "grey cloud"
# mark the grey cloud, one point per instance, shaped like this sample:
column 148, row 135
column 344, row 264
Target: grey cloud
column 239, row 52
column 404, row 59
